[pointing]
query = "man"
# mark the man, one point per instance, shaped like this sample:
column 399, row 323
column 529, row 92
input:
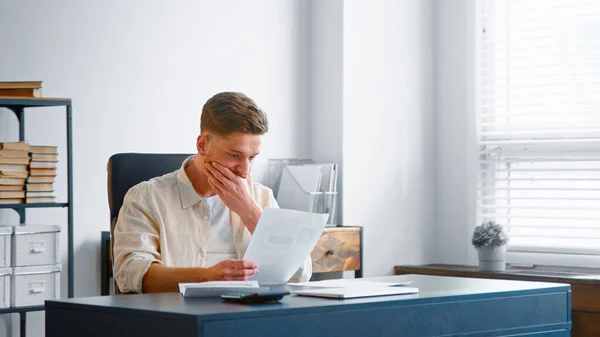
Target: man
column 194, row 224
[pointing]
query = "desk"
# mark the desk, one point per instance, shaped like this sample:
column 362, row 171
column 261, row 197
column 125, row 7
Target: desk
column 445, row 306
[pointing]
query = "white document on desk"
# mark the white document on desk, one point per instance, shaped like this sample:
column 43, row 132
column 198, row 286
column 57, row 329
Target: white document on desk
column 356, row 291
column 282, row 241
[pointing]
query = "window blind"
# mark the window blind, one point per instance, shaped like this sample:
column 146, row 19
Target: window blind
column 538, row 122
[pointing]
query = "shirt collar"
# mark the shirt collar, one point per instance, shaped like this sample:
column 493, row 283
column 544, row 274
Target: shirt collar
column 188, row 196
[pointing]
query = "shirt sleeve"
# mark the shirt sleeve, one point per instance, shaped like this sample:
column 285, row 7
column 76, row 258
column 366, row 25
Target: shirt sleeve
column 136, row 240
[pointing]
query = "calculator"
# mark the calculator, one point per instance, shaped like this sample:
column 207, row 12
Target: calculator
column 255, row 297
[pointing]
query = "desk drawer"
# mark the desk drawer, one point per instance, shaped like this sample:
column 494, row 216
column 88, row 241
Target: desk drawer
column 338, row 249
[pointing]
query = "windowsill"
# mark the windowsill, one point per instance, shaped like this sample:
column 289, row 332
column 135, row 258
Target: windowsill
column 553, row 260
column 540, row 273
column 556, row 271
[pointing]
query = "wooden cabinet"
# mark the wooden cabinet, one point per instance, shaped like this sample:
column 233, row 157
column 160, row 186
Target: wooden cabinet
column 338, row 249
column 585, row 287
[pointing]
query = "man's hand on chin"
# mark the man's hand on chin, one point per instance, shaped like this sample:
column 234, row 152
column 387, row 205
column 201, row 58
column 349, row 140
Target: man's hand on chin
column 234, row 191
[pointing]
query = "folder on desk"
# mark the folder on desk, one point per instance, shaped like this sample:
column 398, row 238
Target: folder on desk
column 356, row 292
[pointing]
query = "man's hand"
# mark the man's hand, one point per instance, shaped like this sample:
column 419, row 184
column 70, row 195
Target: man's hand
column 234, row 191
column 233, row 270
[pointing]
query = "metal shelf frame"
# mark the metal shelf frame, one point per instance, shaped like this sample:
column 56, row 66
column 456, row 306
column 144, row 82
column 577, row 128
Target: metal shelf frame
column 18, row 106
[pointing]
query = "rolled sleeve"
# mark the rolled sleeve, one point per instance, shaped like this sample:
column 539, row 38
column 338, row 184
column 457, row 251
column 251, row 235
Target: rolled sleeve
column 136, row 240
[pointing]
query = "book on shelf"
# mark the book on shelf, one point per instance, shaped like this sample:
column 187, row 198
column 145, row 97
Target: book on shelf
column 23, row 146
column 39, row 187
column 44, row 156
column 14, row 160
column 12, row 194
column 43, row 149
column 14, row 153
column 39, row 199
column 14, row 174
column 41, row 179
column 43, row 164
column 34, row 93
column 12, row 187
column 12, row 181
column 20, row 84
column 43, row 172
column 13, row 168
column 36, row 194
column 11, row 201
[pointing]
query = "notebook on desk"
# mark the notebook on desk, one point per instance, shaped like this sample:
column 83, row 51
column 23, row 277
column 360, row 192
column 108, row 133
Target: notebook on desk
column 356, row 292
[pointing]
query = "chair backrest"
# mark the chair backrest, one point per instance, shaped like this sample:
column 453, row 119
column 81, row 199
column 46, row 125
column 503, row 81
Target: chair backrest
column 125, row 170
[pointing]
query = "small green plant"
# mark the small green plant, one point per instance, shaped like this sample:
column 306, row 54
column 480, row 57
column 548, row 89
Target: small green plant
column 489, row 234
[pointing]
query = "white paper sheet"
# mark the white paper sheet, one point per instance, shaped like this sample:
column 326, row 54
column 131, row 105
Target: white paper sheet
column 344, row 283
column 356, row 291
column 283, row 239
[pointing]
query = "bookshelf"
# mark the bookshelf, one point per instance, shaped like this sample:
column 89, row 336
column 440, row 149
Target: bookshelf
column 18, row 105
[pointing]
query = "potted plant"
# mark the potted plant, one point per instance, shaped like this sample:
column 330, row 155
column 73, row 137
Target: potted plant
column 490, row 240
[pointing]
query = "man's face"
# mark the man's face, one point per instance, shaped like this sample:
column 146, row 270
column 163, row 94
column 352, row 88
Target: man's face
column 236, row 151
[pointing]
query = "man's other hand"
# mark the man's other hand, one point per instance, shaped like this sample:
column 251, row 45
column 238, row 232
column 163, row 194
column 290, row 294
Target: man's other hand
column 233, row 270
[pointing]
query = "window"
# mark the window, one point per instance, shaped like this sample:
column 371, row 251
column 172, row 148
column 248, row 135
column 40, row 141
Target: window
column 538, row 122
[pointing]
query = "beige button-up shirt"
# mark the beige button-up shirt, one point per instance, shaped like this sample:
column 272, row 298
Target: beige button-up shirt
column 164, row 220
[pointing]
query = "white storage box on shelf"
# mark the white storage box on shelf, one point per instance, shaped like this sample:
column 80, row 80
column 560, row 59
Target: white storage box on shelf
column 5, row 287
column 34, row 284
column 35, row 245
column 5, row 246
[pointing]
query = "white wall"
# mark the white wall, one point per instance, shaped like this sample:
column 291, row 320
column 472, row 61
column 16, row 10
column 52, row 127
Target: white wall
column 345, row 81
column 389, row 131
column 138, row 73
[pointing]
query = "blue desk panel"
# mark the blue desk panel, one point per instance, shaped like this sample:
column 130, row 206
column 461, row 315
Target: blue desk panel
column 445, row 306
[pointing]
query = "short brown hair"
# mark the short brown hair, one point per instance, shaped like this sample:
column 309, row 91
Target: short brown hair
column 229, row 112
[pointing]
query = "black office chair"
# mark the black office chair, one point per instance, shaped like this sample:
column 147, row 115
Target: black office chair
column 124, row 171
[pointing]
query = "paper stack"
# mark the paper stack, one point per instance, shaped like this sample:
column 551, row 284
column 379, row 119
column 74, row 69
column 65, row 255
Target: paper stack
column 347, row 288
column 217, row 288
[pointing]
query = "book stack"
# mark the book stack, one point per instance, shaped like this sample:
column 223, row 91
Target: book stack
column 14, row 159
column 42, row 173
column 21, row 89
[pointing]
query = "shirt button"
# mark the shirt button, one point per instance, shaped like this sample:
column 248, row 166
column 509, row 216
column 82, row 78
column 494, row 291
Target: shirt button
column 205, row 217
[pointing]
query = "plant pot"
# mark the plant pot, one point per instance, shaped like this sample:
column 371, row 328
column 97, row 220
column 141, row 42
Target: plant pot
column 492, row 258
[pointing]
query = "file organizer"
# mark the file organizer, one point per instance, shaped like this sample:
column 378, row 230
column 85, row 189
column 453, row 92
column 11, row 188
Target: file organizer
column 276, row 167
column 302, row 184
